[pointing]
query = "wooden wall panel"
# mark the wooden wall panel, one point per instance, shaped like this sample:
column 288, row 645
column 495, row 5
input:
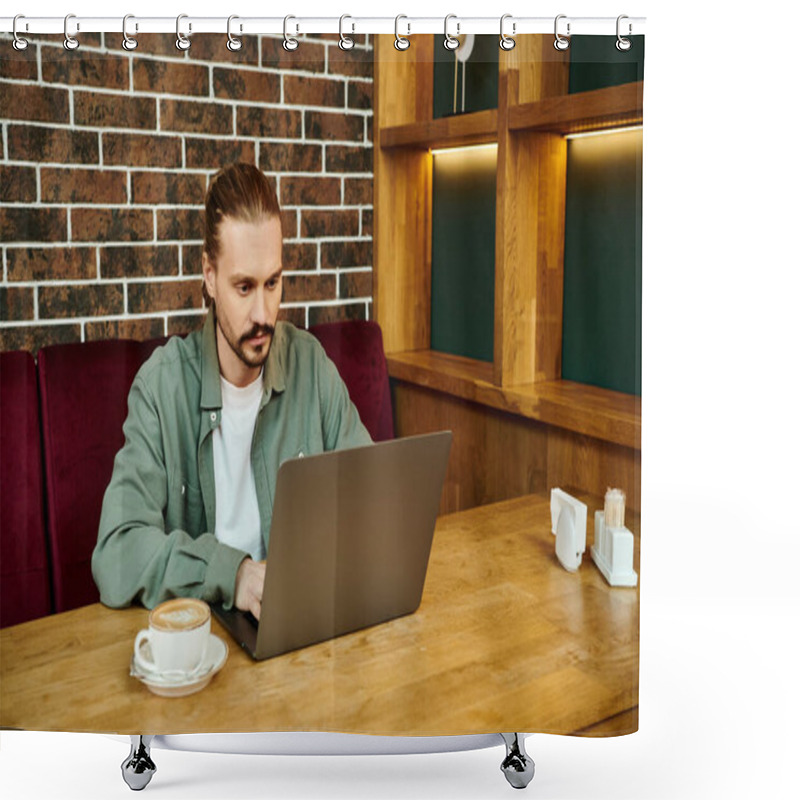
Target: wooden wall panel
column 497, row 455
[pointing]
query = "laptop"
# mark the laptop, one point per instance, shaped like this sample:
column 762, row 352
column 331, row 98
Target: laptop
column 349, row 543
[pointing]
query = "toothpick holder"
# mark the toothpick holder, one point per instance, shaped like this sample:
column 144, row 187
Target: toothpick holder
column 612, row 552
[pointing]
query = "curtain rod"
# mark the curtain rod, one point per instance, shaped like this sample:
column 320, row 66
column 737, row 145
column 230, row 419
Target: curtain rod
column 407, row 26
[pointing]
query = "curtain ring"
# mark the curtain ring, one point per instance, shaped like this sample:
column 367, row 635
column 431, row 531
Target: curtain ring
column 561, row 42
column 128, row 42
column 182, row 42
column 345, row 42
column 19, row 43
column 506, row 42
column 289, row 44
column 233, row 43
column 451, row 43
column 622, row 44
column 400, row 42
column 70, row 42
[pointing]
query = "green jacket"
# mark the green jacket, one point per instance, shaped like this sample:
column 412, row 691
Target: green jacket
column 156, row 538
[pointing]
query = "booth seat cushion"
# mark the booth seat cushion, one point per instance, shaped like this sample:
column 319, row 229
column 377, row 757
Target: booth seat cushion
column 356, row 347
column 84, row 391
column 24, row 573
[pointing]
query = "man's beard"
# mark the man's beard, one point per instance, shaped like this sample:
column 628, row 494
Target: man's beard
column 238, row 346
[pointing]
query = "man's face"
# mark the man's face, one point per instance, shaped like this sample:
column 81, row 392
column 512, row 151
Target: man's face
column 246, row 287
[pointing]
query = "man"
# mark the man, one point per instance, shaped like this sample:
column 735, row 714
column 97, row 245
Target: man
column 212, row 416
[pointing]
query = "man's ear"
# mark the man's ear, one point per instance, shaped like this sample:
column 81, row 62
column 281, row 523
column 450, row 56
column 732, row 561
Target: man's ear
column 209, row 276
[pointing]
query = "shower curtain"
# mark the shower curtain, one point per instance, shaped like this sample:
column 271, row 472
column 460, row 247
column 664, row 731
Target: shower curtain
column 483, row 205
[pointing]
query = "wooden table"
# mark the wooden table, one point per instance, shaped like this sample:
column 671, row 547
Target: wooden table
column 504, row 640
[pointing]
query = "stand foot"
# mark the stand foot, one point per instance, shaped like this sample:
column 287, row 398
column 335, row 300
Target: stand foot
column 517, row 766
column 138, row 768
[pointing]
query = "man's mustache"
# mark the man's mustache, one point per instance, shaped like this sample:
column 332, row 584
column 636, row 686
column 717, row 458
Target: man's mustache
column 258, row 330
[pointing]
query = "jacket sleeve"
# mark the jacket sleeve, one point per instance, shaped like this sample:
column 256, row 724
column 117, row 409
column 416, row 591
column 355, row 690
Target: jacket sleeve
column 341, row 425
column 135, row 558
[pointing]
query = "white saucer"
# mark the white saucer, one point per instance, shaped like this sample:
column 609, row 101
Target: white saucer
column 170, row 686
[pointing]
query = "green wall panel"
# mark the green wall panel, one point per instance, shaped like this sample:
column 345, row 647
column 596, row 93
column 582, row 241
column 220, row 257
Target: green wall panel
column 462, row 258
column 479, row 75
column 602, row 328
column 595, row 62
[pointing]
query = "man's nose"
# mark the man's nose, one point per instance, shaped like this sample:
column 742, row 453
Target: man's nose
column 259, row 311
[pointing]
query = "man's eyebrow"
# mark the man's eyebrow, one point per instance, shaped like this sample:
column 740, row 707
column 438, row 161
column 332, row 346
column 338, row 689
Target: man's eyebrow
column 241, row 277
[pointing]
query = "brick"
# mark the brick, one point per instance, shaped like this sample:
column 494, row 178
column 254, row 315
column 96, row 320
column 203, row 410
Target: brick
column 341, row 158
column 328, row 223
column 85, row 69
column 355, row 284
column 16, row 303
column 51, row 263
column 34, row 337
column 164, row 188
column 114, row 110
column 139, row 150
column 299, row 90
column 59, row 145
column 310, row 191
column 213, row 47
column 35, row 103
column 180, row 223
column 308, row 57
column 370, row 128
column 239, row 84
column 181, row 324
column 296, row 316
column 356, row 62
column 169, row 77
column 339, row 313
column 151, row 44
column 21, row 224
column 289, row 223
column 192, row 255
column 268, row 122
column 189, row 116
column 144, row 298
column 17, row 64
column 299, row 256
column 84, row 186
column 288, row 157
column 138, row 261
column 204, row 153
column 299, row 288
column 358, row 191
column 17, row 184
column 89, row 300
column 359, row 95
column 346, row 254
column 140, row 329
column 366, row 222
column 337, row 127
column 111, row 225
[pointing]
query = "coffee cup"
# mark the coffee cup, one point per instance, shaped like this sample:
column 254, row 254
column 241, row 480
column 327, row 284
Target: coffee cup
column 178, row 635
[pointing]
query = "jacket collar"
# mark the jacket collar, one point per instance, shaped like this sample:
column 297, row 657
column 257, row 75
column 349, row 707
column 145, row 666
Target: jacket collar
column 274, row 371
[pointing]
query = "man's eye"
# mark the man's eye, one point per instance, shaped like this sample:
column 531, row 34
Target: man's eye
column 243, row 288
column 273, row 282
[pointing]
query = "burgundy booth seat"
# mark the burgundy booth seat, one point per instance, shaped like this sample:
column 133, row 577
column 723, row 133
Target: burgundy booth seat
column 356, row 347
column 24, row 573
column 84, row 391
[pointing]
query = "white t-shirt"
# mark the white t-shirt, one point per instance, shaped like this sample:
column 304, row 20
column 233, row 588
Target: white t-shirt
column 238, row 520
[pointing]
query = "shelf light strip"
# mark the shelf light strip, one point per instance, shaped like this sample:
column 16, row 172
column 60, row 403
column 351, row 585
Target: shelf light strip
column 467, row 147
column 603, row 132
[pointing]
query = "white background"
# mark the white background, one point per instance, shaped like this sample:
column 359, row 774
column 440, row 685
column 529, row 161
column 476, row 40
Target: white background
column 720, row 604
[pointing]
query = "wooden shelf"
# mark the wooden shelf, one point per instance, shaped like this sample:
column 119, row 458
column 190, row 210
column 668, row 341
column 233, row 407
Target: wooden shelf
column 601, row 413
column 479, row 127
column 583, row 111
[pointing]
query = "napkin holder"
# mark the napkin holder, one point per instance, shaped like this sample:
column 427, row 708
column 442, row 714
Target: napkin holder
column 568, row 518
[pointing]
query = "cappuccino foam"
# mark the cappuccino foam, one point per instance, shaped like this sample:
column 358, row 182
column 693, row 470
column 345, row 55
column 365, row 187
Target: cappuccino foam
column 179, row 614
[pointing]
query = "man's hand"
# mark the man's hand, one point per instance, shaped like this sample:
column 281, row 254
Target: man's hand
column 249, row 586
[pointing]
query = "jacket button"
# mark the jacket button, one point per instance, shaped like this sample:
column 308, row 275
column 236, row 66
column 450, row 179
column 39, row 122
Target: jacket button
column 213, row 416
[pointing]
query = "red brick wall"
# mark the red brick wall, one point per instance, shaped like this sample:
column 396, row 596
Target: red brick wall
column 105, row 159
